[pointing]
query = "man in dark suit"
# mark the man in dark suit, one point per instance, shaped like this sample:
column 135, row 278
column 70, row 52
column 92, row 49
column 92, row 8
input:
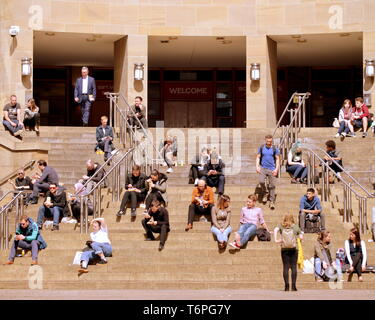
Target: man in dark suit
column 85, row 94
column 104, row 138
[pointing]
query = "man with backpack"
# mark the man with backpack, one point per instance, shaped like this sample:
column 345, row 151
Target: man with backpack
column 267, row 166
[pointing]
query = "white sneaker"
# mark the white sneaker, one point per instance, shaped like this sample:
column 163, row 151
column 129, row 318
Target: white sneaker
column 203, row 219
column 370, row 240
column 114, row 152
column 343, row 134
column 196, row 182
column 337, row 135
column 170, row 170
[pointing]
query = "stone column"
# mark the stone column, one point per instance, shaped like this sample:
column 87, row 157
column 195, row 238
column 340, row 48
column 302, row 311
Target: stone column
column 261, row 100
column 129, row 50
column 369, row 53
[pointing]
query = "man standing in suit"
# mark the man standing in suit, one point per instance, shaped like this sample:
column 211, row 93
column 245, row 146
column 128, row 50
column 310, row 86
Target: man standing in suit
column 85, row 94
column 104, row 138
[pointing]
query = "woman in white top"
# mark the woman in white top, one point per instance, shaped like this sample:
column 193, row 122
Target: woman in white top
column 345, row 120
column 356, row 254
column 100, row 245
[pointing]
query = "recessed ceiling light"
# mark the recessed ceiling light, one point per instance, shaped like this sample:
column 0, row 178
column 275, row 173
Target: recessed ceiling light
column 296, row 36
column 50, row 34
column 226, row 42
column 344, row 34
column 220, row 38
column 301, row 40
column 164, row 41
column 172, row 38
column 90, row 40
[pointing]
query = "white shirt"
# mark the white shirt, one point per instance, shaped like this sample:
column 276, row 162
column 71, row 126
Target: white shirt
column 364, row 253
column 85, row 83
column 100, row 236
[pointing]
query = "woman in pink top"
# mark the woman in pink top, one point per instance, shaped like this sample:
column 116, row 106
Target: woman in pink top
column 251, row 216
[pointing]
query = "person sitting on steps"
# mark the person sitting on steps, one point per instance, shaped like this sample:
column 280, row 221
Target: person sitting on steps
column 27, row 237
column 49, row 176
column 157, row 188
column 53, row 206
column 213, row 173
column 296, row 165
column 335, row 155
column 135, row 187
column 156, row 221
column 100, row 245
column 310, row 207
column 267, row 166
column 345, row 120
column 220, row 216
column 138, row 111
column 31, row 118
column 251, row 217
column 104, row 138
column 202, row 201
column 197, row 166
column 325, row 256
column 360, row 115
column 356, row 254
column 92, row 168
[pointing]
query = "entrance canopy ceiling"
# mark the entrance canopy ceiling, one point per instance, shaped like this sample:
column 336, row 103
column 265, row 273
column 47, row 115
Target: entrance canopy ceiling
column 205, row 52
column 73, row 49
column 335, row 49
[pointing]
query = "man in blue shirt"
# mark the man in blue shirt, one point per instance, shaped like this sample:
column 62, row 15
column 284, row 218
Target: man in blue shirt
column 310, row 205
column 267, row 165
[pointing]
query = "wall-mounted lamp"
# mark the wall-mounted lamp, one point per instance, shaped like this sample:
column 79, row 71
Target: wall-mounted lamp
column 138, row 71
column 367, row 99
column 370, row 68
column 26, row 66
column 255, row 72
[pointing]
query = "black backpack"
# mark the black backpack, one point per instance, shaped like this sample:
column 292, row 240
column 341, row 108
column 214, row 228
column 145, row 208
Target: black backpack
column 263, row 235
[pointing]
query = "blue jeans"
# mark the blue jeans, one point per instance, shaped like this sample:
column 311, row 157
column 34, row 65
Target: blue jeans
column 319, row 266
column 97, row 248
column 246, row 231
column 298, row 171
column 343, row 127
column 10, row 127
column 45, row 212
column 221, row 236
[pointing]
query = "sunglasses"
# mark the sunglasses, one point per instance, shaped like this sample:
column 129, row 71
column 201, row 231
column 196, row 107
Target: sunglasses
column 52, row 188
column 20, row 173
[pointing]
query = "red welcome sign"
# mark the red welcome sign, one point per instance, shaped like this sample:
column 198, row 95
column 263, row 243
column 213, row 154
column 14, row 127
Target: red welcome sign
column 188, row 91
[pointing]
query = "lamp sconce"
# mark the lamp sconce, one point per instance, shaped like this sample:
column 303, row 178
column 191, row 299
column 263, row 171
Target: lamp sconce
column 138, row 71
column 255, row 72
column 26, row 66
column 369, row 68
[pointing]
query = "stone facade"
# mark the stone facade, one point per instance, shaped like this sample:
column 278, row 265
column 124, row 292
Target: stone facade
column 138, row 19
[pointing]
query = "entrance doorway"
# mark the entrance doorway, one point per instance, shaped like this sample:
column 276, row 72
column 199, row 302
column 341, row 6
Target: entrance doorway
column 188, row 114
column 197, row 82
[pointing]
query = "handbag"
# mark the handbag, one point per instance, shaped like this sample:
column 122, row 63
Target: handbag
column 263, row 235
column 336, row 123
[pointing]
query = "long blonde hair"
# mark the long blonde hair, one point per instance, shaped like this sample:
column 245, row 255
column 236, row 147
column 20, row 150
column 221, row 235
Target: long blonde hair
column 288, row 221
column 32, row 104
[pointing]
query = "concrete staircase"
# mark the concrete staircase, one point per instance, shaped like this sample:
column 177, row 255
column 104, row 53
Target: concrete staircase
column 190, row 260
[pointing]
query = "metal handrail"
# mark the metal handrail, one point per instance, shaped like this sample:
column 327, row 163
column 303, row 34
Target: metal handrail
column 17, row 200
column 125, row 128
column 97, row 172
column 95, row 192
column 26, row 166
column 348, row 189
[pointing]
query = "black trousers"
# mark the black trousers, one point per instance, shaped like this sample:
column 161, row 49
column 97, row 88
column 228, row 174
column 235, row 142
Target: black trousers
column 215, row 181
column 153, row 196
column 357, row 263
column 195, row 172
column 195, row 209
column 133, row 197
column 289, row 258
column 150, row 229
column 76, row 210
column 33, row 122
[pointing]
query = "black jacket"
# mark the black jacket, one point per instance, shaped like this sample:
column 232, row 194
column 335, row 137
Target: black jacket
column 161, row 216
column 99, row 176
column 218, row 167
column 25, row 182
column 140, row 184
column 58, row 199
